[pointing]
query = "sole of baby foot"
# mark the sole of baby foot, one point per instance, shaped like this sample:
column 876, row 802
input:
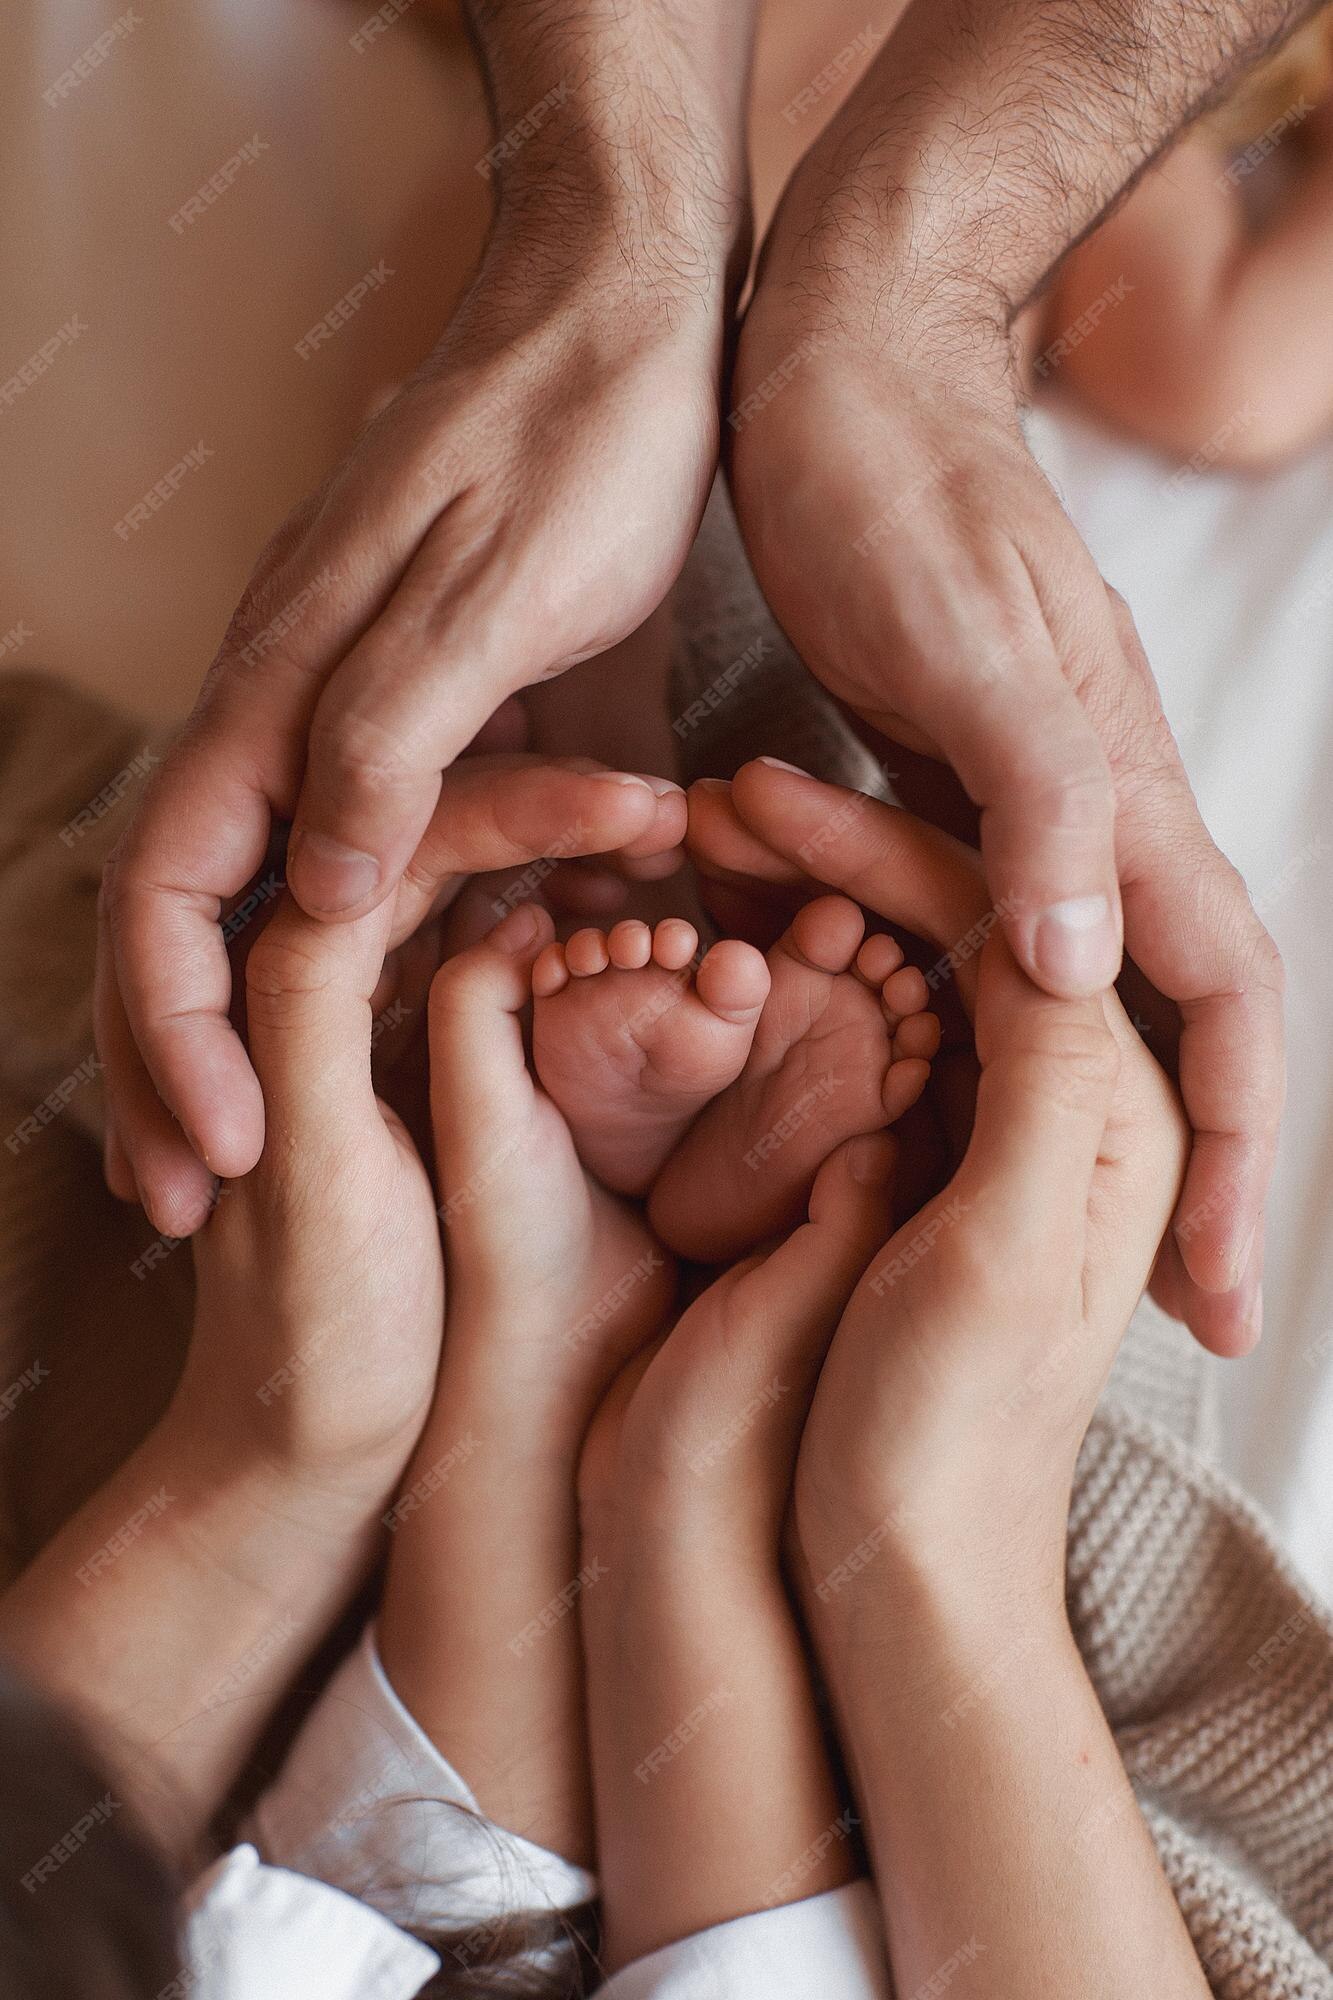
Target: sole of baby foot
column 553, row 1282
column 843, row 1048
column 631, row 1038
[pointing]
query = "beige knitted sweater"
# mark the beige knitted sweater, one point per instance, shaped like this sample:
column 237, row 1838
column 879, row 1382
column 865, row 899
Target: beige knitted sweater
column 1214, row 1666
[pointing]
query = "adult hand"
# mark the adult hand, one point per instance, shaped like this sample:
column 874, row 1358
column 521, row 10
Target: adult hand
column 256, row 1501
column 941, row 591
column 171, row 999
column 932, row 1502
column 525, row 502
column 320, row 1303
column 785, row 828
column 923, row 567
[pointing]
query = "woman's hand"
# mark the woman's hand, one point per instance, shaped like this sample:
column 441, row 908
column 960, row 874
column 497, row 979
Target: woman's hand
column 932, row 1500
column 933, row 1482
column 320, row 1274
column 967, row 1366
column 173, row 1612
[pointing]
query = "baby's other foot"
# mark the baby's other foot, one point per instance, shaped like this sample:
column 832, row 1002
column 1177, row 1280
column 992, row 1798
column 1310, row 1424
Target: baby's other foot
column 843, row 1048
column 630, row 1040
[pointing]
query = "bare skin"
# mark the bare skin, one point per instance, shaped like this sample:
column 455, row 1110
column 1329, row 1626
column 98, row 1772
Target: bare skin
column 979, row 629
column 842, row 1050
column 1210, row 332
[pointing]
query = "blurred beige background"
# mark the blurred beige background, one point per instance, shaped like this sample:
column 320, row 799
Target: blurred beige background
column 368, row 154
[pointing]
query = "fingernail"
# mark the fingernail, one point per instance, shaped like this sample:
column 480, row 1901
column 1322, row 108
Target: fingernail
column 1076, row 946
column 779, row 764
column 328, row 875
column 711, row 785
column 661, row 787
column 515, row 931
column 871, row 1159
column 622, row 778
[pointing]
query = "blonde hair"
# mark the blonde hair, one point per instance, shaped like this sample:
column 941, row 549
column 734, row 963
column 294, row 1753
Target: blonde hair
column 1301, row 69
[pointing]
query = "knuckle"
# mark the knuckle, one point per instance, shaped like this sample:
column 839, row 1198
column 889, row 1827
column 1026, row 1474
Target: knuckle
column 1072, row 1058
column 361, row 754
column 285, row 967
column 447, row 988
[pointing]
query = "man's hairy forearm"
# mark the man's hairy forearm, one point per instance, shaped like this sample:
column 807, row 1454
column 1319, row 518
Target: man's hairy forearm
column 624, row 113
column 990, row 135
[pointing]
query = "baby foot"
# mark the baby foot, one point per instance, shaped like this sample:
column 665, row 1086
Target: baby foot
column 843, row 1048
column 552, row 1281
column 630, row 1041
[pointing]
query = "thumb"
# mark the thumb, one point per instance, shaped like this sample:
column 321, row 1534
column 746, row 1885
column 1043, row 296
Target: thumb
column 308, row 1012
column 1048, row 1076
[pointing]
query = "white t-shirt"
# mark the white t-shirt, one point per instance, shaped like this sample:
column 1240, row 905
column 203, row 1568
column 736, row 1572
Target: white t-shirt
column 369, row 1833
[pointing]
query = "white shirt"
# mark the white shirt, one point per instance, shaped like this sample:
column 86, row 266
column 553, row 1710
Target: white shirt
column 369, row 1830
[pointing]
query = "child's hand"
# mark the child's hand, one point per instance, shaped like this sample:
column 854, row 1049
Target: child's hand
column 320, row 1302
column 714, row 1796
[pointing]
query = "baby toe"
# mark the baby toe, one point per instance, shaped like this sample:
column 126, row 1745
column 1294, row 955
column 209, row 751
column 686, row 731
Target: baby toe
column 630, row 945
column 903, row 1084
column 827, row 933
column 905, row 992
column 586, row 954
column 733, row 980
column 917, row 1036
column 550, row 974
column 674, row 944
column 879, row 957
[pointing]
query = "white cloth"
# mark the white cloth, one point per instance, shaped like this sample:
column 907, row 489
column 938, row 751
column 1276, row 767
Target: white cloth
column 368, row 1830
column 828, row 1947
column 366, row 1801
column 256, row 1931
column 1230, row 578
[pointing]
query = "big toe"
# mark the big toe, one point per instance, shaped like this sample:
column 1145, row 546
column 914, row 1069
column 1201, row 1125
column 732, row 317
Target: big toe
column 733, row 981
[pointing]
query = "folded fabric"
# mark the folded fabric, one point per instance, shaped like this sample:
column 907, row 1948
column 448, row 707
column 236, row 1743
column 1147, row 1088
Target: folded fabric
column 254, row 1932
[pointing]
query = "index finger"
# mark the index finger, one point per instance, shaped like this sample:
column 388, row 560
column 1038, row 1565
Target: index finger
column 882, row 857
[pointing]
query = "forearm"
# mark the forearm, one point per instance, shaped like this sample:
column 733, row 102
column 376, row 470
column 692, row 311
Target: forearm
column 714, row 1793
column 479, row 1628
column 1006, row 1841
column 985, row 140
column 171, row 1614
column 628, row 120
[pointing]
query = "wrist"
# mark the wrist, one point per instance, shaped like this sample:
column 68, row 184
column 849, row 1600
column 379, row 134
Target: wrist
column 941, row 1625
column 520, row 1428
column 984, row 1551
column 620, row 141
column 259, row 1518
